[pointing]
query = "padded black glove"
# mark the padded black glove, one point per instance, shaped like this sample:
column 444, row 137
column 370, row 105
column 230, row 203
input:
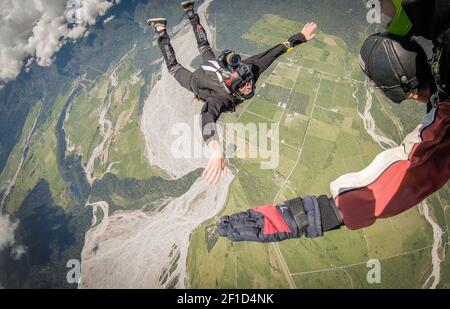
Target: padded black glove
column 309, row 216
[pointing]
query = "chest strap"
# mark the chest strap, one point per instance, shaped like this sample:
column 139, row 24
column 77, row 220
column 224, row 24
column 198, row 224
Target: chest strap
column 216, row 69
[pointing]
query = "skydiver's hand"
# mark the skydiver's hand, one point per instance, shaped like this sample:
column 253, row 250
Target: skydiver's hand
column 268, row 223
column 308, row 31
column 215, row 168
column 307, row 34
column 309, row 216
column 216, row 165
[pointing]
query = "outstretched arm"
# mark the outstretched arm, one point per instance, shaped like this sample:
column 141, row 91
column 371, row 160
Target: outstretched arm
column 263, row 60
column 309, row 216
column 397, row 180
column 216, row 165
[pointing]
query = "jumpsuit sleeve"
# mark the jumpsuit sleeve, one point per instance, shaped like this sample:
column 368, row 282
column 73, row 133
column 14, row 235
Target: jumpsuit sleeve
column 398, row 178
column 210, row 114
column 263, row 60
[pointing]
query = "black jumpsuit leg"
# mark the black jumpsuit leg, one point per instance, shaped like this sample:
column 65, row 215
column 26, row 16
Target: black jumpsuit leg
column 202, row 39
column 181, row 74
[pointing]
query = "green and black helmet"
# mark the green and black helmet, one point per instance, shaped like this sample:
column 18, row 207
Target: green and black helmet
column 395, row 65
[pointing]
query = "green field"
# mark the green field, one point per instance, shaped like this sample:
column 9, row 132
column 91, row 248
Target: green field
column 124, row 153
column 39, row 162
column 322, row 137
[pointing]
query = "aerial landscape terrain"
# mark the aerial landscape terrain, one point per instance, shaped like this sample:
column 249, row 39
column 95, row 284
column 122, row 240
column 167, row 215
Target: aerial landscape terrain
column 87, row 172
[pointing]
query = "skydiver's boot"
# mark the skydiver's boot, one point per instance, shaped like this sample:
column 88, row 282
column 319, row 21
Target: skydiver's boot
column 160, row 26
column 188, row 7
column 199, row 31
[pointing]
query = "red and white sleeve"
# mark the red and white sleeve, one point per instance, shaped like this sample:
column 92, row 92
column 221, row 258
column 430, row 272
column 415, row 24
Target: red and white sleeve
column 398, row 178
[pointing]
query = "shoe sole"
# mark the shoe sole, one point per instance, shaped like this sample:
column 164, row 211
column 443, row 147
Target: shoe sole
column 184, row 4
column 154, row 21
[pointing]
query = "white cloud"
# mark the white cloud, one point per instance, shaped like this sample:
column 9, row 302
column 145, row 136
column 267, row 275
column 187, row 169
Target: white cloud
column 18, row 252
column 107, row 20
column 39, row 28
column 7, row 239
column 7, row 228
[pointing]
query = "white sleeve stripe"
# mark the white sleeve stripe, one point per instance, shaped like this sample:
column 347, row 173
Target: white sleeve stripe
column 383, row 161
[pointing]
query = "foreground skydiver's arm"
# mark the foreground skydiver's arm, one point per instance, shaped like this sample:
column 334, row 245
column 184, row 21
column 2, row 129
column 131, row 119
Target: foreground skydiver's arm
column 395, row 181
column 263, row 60
column 309, row 216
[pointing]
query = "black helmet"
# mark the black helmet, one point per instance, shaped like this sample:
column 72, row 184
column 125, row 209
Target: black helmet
column 244, row 76
column 396, row 65
column 231, row 62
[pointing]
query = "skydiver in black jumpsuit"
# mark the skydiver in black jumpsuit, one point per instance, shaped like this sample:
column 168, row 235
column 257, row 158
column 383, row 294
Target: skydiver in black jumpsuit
column 223, row 82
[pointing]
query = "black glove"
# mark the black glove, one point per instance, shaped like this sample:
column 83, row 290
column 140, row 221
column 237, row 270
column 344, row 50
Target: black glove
column 297, row 39
column 308, row 216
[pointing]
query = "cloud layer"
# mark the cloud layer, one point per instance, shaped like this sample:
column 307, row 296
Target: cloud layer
column 39, row 28
column 7, row 238
column 7, row 228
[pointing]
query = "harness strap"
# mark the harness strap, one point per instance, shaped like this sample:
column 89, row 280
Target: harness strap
column 216, row 69
column 215, row 64
column 299, row 214
column 436, row 62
